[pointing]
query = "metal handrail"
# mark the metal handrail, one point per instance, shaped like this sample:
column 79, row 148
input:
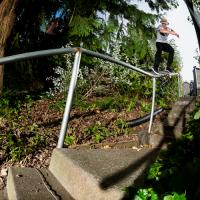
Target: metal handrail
column 35, row 54
column 78, row 51
column 127, row 65
column 196, row 80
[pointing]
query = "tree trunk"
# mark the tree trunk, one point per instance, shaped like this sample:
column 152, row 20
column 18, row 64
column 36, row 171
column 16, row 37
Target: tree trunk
column 191, row 6
column 7, row 19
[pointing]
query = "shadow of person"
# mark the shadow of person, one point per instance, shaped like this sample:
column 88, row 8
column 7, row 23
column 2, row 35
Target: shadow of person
column 149, row 158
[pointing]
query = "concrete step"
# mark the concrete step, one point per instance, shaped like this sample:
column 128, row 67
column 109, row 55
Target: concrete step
column 100, row 174
column 32, row 184
column 168, row 131
column 176, row 121
column 3, row 195
column 185, row 103
column 189, row 98
column 181, row 110
column 173, row 121
column 188, row 104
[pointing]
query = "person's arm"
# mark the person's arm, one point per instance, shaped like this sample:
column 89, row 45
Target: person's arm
column 169, row 31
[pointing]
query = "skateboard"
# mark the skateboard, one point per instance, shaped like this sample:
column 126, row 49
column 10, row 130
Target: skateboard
column 163, row 73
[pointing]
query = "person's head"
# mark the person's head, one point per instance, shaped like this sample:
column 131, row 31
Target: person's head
column 164, row 22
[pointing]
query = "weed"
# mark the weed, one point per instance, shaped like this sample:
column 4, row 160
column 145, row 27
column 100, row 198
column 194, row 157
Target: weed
column 145, row 194
column 116, row 103
column 105, row 103
column 162, row 103
column 81, row 103
column 175, row 174
column 69, row 139
column 132, row 103
column 145, row 107
column 16, row 147
column 58, row 105
column 121, row 127
column 97, row 133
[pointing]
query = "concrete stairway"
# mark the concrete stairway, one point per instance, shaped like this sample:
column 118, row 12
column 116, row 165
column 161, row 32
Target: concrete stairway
column 175, row 123
column 3, row 195
column 100, row 174
column 34, row 184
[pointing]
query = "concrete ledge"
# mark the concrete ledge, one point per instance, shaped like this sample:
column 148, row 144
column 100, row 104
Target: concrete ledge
column 3, row 195
column 25, row 183
column 98, row 173
column 28, row 184
column 107, row 145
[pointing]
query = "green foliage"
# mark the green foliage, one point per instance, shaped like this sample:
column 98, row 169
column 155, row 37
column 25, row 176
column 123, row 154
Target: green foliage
column 107, row 77
column 132, row 103
column 97, row 132
column 154, row 171
column 99, row 25
column 5, row 109
column 167, row 90
column 112, row 103
column 85, row 26
column 175, row 196
column 16, row 147
column 69, row 139
column 146, row 194
column 151, row 194
column 82, row 104
column 174, row 175
column 162, row 102
column 62, row 76
column 106, row 103
column 116, row 102
column 10, row 104
column 121, row 127
column 145, row 106
column 58, row 105
column 197, row 115
column 18, row 133
column 121, row 123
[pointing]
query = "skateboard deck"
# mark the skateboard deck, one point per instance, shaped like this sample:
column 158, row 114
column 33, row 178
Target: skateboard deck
column 163, row 73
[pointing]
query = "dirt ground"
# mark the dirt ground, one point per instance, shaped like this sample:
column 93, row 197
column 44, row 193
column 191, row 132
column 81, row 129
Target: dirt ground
column 49, row 122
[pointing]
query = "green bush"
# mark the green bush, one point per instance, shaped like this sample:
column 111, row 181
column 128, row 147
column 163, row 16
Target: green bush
column 175, row 174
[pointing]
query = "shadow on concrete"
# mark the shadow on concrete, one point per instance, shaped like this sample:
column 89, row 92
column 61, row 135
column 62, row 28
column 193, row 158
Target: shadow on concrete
column 148, row 159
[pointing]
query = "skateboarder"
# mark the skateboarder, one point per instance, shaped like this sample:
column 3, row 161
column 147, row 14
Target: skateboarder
column 162, row 45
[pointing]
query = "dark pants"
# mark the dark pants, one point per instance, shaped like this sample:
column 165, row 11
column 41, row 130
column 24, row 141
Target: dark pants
column 166, row 48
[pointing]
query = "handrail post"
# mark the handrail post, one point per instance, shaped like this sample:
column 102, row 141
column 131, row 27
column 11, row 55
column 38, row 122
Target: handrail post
column 152, row 105
column 179, row 85
column 68, row 104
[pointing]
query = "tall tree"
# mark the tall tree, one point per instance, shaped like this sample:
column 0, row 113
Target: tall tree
column 97, row 23
column 7, row 19
column 28, row 34
column 193, row 7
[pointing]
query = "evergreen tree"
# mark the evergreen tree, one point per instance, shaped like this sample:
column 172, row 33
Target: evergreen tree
column 98, row 24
